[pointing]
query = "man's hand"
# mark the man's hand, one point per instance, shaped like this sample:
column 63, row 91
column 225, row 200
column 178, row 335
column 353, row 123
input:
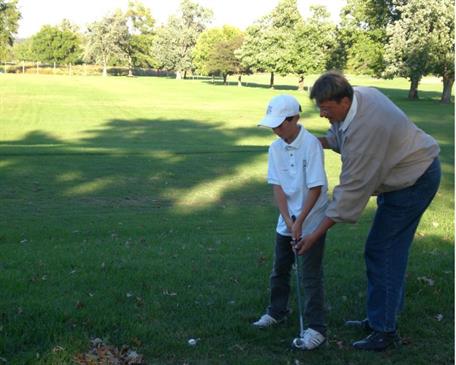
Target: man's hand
column 306, row 243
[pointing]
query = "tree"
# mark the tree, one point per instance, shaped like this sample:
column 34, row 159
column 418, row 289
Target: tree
column 314, row 42
column 141, row 26
column 412, row 39
column 106, row 39
column 9, row 23
column 269, row 42
column 214, row 52
column 442, row 48
column 59, row 45
column 22, row 50
column 175, row 42
column 362, row 34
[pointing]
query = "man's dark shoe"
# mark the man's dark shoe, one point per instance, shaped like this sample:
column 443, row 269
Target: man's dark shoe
column 378, row 341
column 362, row 324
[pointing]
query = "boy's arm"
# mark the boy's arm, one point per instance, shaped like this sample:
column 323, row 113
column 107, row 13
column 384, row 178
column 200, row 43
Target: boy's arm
column 281, row 201
column 308, row 204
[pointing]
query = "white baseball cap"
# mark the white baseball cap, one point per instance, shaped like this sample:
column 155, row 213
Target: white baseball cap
column 279, row 108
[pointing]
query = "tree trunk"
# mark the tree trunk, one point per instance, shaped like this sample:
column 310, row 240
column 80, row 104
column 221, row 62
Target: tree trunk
column 225, row 76
column 301, row 84
column 448, row 82
column 239, row 80
column 70, row 69
column 23, row 67
column 413, row 92
column 53, row 71
column 271, row 81
column 37, row 67
column 105, row 70
column 185, row 74
column 130, row 67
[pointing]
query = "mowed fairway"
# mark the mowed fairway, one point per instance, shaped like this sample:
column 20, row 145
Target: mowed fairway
column 136, row 210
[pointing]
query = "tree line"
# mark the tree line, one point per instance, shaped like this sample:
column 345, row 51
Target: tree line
column 381, row 38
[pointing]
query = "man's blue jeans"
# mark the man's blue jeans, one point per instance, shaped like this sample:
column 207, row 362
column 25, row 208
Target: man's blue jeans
column 313, row 296
column 387, row 247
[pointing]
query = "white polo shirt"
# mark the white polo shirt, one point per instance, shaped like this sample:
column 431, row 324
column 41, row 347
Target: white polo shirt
column 297, row 167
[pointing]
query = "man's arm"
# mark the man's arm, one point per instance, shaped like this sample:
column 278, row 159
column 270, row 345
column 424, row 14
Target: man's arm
column 308, row 241
column 324, row 142
column 281, row 201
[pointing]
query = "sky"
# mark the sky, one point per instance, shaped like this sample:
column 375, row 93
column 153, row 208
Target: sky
column 239, row 13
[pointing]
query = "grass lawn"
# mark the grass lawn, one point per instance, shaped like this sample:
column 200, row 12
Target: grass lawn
column 135, row 210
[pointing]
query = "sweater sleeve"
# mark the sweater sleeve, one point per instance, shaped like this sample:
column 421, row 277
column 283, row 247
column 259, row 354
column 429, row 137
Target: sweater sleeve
column 362, row 170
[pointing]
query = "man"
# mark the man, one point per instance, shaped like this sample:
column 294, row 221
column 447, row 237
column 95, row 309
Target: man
column 297, row 175
column 383, row 153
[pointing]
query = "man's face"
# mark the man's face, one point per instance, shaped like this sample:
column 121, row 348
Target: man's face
column 335, row 111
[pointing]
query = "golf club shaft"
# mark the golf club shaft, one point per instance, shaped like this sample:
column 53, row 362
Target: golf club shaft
column 298, row 269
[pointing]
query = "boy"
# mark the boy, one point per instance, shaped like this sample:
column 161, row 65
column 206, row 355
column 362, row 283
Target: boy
column 296, row 172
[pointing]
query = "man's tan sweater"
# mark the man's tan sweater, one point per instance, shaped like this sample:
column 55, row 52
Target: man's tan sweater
column 381, row 151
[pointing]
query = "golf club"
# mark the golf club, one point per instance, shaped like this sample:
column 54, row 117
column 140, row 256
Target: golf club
column 298, row 341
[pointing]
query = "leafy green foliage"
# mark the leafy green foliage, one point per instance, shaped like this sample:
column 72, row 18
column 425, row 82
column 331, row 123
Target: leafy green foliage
column 106, row 39
column 176, row 40
column 442, row 47
column 141, row 35
column 314, row 43
column 269, row 44
column 9, row 23
column 22, row 51
column 412, row 40
column 214, row 53
column 54, row 44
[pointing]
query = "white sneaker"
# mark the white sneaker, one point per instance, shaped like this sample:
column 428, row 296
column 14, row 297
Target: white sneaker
column 310, row 340
column 313, row 339
column 265, row 321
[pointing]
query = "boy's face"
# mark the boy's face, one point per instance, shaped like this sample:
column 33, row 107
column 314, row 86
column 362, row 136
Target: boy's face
column 288, row 130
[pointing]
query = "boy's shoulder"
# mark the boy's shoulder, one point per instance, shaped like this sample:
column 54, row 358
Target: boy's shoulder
column 278, row 143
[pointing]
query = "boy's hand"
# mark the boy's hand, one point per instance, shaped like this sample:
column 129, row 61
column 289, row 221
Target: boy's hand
column 289, row 222
column 296, row 230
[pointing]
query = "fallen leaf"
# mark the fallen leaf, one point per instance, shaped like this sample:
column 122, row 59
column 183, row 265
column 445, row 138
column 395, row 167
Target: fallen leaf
column 171, row 294
column 58, row 349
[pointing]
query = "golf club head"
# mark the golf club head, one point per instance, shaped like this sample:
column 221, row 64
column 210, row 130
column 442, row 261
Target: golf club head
column 298, row 343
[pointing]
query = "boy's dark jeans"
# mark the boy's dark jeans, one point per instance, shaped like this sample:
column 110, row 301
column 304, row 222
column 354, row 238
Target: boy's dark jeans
column 314, row 316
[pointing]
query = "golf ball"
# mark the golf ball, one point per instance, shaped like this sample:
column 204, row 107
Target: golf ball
column 192, row 342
